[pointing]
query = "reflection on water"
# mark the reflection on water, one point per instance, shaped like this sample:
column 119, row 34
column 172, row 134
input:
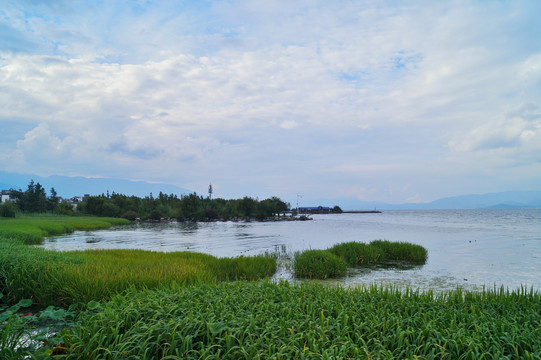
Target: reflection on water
column 467, row 248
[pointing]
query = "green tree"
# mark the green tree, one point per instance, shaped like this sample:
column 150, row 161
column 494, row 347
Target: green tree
column 53, row 200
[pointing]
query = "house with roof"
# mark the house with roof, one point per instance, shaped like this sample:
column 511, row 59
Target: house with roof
column 6, row 195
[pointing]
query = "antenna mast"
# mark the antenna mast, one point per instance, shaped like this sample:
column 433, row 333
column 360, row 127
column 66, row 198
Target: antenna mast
column 210, row 191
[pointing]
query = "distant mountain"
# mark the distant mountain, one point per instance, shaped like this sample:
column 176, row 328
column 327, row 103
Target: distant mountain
column 500, row 200
column 68, row 187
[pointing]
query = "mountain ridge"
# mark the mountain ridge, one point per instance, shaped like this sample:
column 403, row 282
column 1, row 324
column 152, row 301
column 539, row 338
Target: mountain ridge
column 68, row 187
column 520, row 199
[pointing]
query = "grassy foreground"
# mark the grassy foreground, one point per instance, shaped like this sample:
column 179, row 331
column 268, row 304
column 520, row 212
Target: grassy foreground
column 65, row 278
column 264, row 320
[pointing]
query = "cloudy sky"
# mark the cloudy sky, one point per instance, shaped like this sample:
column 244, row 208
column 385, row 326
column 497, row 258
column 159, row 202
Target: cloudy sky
column 395, row 101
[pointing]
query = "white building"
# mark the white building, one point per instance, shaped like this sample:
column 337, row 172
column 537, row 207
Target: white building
column 6, row 196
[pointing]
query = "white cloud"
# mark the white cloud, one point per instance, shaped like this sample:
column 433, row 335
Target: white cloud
column 339, row 93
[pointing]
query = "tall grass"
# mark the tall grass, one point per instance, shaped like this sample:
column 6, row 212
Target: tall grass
column 318, row 264
column 402, row 251
column 51, row 278
column 31, row 229
column 261, row 320
column 323, row 264
column 358, row 254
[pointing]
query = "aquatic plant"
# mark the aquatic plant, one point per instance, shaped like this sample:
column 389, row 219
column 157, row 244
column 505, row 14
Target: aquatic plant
column 358, row 254
column 28, row 333
column 402, row 251
column 318, row 264
column 259, row 320
column 312, row 263
column 53, row 278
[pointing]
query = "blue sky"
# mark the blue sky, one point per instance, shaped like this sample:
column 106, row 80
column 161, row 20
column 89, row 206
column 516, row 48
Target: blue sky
column 394, row 101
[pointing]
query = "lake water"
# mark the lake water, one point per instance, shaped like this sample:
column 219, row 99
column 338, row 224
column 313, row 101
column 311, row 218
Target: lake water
column 467, row 248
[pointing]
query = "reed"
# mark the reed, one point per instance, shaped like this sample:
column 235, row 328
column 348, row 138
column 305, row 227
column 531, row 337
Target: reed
column 53, row 278
column 318, row 264
column 260, row 320
column 402, row 251
column 358, row 254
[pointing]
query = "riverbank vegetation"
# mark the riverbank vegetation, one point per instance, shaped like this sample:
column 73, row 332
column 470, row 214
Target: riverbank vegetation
column 333, row 262
column 31, row 229
column 134, row 304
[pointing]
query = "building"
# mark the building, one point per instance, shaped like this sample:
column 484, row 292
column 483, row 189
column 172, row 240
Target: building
column 6, row 195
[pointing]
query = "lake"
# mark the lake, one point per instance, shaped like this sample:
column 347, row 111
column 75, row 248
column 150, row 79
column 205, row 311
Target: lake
column 466, row 248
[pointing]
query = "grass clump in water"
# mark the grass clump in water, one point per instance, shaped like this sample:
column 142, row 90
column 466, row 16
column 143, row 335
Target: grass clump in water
column 402, row 251
column 358, row 254
column 318, row 264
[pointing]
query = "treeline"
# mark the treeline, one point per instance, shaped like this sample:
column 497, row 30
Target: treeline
column 185, row 207
column 33, row 200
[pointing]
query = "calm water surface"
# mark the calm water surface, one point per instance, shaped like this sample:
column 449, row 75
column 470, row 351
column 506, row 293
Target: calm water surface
column 467, row 248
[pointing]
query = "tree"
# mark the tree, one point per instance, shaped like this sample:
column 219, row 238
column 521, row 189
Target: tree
column 336, row 210
column 52, row 202
column 33, row 200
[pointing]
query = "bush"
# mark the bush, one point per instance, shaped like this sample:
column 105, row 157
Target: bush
column 358, row 254
column 8, row 209
column 64, row 208
column 319, row 264
column 130, row 215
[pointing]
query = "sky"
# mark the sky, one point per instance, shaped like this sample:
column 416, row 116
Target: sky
column 392, row 101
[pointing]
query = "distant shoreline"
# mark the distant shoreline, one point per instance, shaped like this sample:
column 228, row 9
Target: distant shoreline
column 361, row 212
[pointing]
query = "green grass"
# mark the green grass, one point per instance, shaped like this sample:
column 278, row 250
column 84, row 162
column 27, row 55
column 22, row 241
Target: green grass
column 54, row 278
column 318, row 264
column 262, row 320
column 324, row 264
column 32, row 229
column 358, row 254
column 32, row 275
column 402, row 251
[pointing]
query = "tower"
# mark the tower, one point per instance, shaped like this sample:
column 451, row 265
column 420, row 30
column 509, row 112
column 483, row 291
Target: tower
column 210, row 191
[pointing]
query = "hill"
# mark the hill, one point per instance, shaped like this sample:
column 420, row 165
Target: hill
column 500, row 200
column 68, row 187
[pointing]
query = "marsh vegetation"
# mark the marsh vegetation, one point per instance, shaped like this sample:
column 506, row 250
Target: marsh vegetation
column 333, row 262
column 118, row 304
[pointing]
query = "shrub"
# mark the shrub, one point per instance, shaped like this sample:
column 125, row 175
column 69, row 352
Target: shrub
column 64, row 208
column 318, row 264
column 130, row 215
column 8, row 209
